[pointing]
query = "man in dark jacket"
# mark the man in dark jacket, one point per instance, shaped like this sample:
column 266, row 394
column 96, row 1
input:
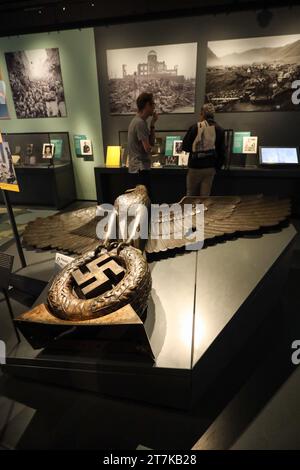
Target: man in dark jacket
column 206, row 144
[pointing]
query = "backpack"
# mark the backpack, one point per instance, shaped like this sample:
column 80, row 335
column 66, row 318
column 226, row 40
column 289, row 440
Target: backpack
column 205, row 139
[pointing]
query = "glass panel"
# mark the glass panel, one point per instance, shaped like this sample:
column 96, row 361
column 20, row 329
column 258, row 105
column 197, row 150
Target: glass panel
column 36, row 149
column 159, row 149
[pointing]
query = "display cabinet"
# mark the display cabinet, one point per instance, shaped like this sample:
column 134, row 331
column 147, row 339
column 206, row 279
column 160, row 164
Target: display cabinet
column 168, row 184
column 39, row 149
column 162, row 153
column 44, row 168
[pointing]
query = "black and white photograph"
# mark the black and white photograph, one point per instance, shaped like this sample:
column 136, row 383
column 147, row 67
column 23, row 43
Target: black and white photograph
column 253, row 74
column 177, row 147
column 48, row 151
column 169, row 72
column 36, row 82
column 86, row 147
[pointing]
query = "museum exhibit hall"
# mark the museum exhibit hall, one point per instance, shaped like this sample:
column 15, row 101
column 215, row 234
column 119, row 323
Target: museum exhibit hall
column 149, row 230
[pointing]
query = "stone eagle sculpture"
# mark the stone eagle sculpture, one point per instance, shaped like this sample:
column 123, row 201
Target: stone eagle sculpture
column 88, row 289
column 75, row 231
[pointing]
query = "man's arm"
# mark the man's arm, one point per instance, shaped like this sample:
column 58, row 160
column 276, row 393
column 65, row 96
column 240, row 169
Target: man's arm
column 146, row 144
column 152, row 135
column 143, row 135
column 148, row 140
column 152, row 129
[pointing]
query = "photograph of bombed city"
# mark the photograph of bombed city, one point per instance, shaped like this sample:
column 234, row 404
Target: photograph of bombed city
column 253, row 74
column 169, row 72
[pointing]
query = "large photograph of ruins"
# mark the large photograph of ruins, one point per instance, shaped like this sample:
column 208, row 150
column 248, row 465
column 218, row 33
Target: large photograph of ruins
column 169, row 72
column 253, row 74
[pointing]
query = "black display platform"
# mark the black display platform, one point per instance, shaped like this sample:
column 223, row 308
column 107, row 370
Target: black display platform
column 169, row 183
column 205, row 305
column 111, row 182
column 45, row 186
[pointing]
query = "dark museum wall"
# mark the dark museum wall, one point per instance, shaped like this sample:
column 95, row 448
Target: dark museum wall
column 272, row 128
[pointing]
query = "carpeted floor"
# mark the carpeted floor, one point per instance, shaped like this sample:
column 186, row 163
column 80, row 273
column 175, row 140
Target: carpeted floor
column 22, row 217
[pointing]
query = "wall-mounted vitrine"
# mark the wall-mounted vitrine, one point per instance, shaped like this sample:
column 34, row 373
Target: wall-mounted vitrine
column 44, row 168
column 39, row 149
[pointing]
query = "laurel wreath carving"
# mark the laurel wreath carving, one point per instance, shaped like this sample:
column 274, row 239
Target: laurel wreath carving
column 133, row 289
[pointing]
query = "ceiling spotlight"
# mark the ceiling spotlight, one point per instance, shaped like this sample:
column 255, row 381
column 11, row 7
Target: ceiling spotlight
column 92, row 4
column 264, row 17
column 64, row 8
column 40, row 12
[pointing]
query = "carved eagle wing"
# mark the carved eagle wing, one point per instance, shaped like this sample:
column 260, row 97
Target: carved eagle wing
column 75, row 231
column 222, row 215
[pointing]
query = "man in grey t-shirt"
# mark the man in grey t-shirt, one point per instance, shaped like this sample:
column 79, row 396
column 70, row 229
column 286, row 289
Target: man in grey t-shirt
column 141, row 139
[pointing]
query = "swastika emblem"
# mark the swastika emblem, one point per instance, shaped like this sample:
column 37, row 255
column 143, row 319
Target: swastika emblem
column 97, row 277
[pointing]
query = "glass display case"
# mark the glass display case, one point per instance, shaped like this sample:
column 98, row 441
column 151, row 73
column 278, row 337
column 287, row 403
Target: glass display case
column 165, row 151
column 40, row 149
column 43, row 167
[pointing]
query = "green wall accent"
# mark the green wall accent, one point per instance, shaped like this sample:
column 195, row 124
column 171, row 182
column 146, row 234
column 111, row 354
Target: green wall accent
column 79, row 72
